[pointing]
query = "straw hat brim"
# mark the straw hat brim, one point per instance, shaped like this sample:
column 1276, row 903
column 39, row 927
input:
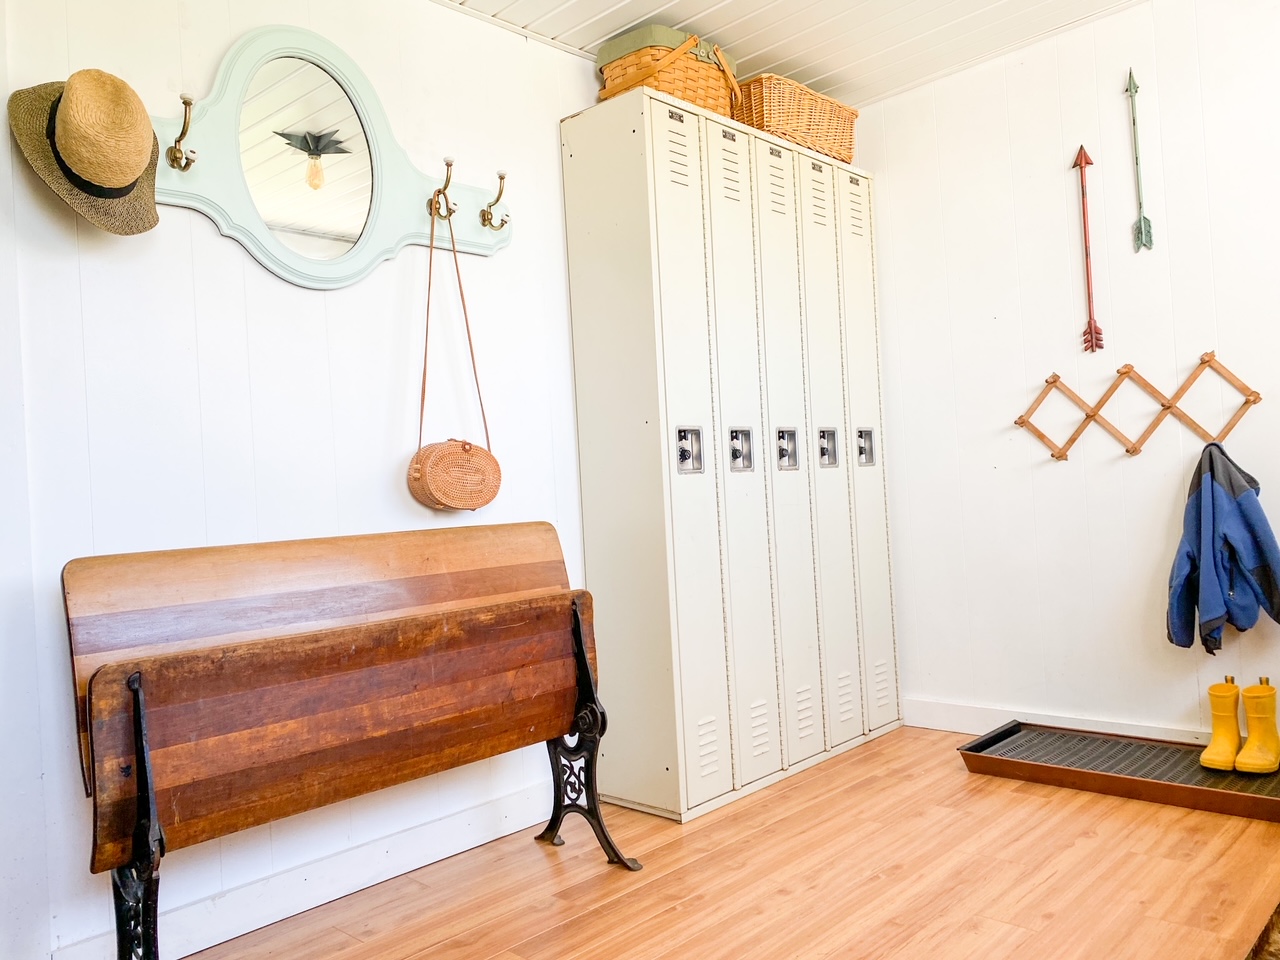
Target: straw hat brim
column 128, row 215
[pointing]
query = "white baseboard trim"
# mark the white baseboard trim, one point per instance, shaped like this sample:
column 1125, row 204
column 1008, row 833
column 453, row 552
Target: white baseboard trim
column 967, row 718
column 194, row 926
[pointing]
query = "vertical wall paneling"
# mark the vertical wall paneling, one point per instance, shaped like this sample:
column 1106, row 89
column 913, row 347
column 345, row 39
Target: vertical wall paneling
column 176, row 394
column 982, row 243
column 740, row 379
column 1235, row 53
column 777, row 227
column 829, row 448
column 1025, row 586
column 24, row 876
column 226, row 406
column 695, row 534
column 925, row 467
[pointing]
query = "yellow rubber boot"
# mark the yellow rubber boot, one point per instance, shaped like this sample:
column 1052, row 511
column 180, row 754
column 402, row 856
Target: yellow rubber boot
column 1224, row 704
column 1261, row 753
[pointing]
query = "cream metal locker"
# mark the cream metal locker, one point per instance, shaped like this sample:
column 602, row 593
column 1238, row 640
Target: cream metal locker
column 692, row 276
column 862, row 360
column 690, row 451
column 789, row 460
column 643, row 374
column 828, row 441
column 742, row 448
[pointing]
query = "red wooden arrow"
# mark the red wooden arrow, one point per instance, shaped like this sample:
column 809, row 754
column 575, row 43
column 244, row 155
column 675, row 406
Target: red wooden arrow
column 1092, row 332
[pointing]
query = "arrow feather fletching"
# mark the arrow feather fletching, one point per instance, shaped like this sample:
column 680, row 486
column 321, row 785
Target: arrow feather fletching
column 1142, row 234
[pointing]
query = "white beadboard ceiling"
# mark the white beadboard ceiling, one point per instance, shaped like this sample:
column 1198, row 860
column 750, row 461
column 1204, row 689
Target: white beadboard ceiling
column 857, row 51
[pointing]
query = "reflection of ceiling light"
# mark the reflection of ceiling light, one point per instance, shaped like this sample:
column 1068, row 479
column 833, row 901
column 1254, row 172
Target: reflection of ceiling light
column 315, row 172
column 314, row 145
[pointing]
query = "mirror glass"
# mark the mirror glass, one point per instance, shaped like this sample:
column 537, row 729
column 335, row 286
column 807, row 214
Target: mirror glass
column 305, row 158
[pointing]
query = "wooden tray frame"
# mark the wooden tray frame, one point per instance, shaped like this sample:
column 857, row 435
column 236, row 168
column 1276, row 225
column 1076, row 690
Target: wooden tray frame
column 1213, row 799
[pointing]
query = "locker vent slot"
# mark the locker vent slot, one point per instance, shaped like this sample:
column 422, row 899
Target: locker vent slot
column 759, row 728
column 731, row 175
column 804, row 712
column 777, row 189
column 881, row 674
column 678, row 157
column 821, row 206
column 857, row 211
column 708, row 747
column 846, row 697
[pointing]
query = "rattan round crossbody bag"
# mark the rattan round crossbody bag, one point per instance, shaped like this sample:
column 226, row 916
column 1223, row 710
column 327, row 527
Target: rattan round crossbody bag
column 451, row 474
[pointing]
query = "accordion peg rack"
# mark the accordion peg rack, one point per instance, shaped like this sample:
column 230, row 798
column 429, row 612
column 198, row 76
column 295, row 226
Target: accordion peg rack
column 1168, row 406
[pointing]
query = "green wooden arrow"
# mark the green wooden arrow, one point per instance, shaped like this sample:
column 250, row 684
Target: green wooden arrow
column 1142, row 227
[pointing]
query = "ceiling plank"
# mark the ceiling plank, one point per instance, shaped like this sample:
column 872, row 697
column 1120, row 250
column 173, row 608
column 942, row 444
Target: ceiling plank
column 855, row 50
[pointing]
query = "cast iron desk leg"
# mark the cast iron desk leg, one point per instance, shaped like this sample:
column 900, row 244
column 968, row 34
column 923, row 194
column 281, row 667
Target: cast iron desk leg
column 573, row 760
column 135, row 886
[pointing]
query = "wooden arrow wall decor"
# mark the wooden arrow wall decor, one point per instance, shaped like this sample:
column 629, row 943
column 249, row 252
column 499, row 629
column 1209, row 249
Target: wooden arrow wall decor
column 1092, row 332
column 1142, row 227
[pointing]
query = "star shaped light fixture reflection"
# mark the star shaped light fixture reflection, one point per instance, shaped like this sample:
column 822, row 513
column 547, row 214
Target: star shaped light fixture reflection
column 315, row 146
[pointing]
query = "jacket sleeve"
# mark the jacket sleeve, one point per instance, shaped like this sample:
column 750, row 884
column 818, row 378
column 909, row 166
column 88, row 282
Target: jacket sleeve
column 1255, row 547
column 1213, row 585
column 1183, row 580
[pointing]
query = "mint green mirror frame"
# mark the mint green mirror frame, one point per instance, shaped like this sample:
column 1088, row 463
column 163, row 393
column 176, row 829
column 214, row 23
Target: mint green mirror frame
column 215, row 184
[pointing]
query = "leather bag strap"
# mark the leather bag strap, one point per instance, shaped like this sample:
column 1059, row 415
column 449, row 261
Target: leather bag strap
column 437, row 199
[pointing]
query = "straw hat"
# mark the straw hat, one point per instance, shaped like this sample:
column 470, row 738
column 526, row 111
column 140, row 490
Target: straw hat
column 90, row 139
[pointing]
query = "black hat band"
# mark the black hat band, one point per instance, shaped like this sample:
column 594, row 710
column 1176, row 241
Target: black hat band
column 77, row 181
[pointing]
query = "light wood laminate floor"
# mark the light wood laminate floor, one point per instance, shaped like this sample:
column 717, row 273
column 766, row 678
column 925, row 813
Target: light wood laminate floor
column 892, row 850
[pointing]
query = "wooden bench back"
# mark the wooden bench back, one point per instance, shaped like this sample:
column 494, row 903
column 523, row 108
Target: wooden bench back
column 246, row 733
column 132, row 606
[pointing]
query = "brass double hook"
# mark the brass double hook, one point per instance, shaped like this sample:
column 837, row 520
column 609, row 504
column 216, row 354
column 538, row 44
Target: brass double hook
column 177, row 158
column 440, row 205
column 486, row 215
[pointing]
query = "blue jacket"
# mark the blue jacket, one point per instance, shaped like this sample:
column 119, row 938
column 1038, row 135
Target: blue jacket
column 1227, row 561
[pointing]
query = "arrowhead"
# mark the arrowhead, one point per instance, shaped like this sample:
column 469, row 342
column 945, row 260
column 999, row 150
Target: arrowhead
column 1082, row 158
column 1132, row 88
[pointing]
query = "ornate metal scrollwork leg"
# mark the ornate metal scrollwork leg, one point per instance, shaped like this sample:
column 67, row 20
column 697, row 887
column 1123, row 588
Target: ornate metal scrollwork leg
column 135, row 886
column 573, row 760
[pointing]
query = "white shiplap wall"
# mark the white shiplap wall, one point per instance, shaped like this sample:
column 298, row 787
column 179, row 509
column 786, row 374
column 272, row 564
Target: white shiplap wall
column 24, row 874
column 177, row 394
column 1027, row 587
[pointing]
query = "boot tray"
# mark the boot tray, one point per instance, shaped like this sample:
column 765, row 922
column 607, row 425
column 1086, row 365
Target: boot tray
column 1159, row 771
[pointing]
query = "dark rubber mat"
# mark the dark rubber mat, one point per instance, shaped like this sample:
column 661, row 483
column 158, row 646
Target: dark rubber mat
column 1102, row 753
column 1157, row 771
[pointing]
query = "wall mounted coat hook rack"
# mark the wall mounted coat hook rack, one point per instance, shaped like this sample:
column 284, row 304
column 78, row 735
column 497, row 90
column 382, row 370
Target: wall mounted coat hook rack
column 178, row 158
column 1168, row 405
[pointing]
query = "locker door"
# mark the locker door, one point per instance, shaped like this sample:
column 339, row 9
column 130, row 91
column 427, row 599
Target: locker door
column 786, row 451
column 689, row 433
column 742, row 447
column 875, row 598
column 829, row 446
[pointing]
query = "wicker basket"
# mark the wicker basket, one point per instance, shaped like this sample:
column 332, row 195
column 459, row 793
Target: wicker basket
column 794, row 112
column 679, row 71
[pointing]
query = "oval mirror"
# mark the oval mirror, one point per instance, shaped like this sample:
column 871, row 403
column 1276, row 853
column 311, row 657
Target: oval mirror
column 253, row 183
column 305, row 158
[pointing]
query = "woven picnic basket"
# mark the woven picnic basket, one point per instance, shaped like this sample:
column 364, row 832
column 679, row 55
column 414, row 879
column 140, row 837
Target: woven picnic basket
column 671, row 62
column 792, row 111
